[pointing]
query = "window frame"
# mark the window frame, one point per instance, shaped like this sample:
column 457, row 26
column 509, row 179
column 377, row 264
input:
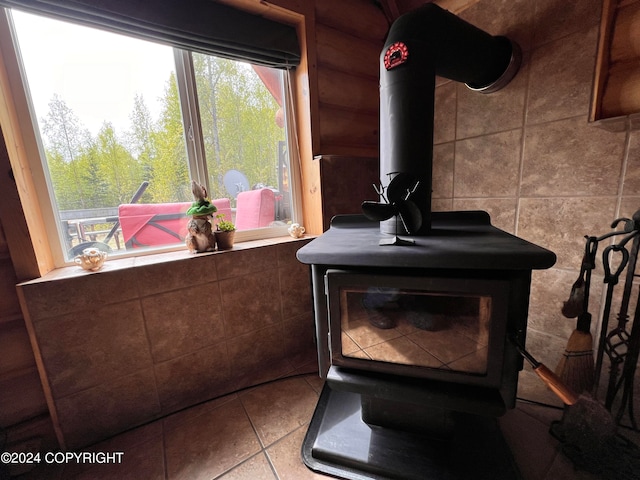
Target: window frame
column 185, row 78
column 23, row 122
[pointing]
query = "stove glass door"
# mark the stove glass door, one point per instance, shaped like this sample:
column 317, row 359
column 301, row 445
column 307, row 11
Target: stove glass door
column 439, row 330
column 445, row 328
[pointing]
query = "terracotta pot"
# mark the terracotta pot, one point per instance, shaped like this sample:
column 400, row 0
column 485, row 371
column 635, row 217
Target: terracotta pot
column 225, row 239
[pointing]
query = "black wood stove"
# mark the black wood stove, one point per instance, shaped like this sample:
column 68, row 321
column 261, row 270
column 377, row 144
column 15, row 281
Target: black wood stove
column 414, row 343
column 416, row 310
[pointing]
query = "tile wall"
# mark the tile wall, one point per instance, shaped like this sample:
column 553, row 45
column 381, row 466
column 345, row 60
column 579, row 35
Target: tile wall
column 528, row 155
column 143, row 338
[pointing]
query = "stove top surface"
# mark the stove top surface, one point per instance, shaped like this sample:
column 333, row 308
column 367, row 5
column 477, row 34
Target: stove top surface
column 458, row 240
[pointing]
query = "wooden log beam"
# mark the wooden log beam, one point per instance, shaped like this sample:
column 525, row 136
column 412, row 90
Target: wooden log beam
column 390, row 9
column 455, row 6
column 394, row 8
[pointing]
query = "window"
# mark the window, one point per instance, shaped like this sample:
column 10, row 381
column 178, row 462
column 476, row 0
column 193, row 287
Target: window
column 124, row 125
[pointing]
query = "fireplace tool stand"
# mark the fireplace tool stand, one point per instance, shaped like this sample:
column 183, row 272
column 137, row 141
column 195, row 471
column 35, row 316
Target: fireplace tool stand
column 588, row 429
column 621, row 345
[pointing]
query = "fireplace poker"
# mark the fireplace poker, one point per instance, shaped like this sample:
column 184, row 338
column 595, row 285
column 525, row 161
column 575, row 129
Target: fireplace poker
column 617, row 340
column 566, row 394
column 611, row 278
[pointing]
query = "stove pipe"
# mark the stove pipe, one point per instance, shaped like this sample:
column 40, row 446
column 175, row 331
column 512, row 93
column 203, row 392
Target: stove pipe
column 421, row 44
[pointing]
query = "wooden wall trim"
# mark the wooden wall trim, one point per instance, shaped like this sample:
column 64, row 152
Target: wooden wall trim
column 20, row 211
column 602, row 58
column 16, row 230
column 307, row 112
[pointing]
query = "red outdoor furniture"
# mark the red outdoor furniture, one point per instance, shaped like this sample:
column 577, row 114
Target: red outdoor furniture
column 255, row 209
column 149, row 224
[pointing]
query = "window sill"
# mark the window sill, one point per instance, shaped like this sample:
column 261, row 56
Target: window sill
column 117, row 264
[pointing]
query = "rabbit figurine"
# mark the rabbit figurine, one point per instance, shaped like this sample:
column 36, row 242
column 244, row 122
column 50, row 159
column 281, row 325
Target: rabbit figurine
column 200, row 237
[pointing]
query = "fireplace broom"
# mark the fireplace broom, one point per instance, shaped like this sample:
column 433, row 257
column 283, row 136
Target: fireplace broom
column 576, row 367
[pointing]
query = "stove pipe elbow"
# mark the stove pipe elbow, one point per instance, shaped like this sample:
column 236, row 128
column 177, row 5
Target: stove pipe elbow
column 421, row 44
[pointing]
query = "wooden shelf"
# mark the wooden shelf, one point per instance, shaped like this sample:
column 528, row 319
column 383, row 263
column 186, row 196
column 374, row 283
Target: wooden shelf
column 616, row 89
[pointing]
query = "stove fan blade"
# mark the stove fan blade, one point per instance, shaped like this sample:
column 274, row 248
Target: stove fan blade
column 378, row 211
column 410, row 216
column 401, row 187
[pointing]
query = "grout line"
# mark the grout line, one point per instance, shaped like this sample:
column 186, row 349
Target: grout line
column 164, row 451
column 245, row 461
column 255, row 430
column 303, row 426
column 523, row 133
column 623, row 169
column 271, row 465
column 545, row 476
column 455, row 149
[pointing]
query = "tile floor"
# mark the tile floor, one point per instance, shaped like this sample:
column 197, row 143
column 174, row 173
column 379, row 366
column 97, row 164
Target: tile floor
column 256, row 434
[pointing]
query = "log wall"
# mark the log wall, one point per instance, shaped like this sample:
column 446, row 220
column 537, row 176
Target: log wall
column 349, row 39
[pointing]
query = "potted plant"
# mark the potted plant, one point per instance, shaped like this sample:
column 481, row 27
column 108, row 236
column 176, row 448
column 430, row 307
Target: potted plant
column 225, row 232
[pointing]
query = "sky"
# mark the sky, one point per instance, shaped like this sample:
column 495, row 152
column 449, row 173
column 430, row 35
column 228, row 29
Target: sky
column 96, row 73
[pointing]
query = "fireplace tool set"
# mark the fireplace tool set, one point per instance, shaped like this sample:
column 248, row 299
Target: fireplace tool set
column 588, row 429
column 620, row 344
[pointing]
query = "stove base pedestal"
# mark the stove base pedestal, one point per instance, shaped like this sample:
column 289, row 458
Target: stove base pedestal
column 339, row 443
